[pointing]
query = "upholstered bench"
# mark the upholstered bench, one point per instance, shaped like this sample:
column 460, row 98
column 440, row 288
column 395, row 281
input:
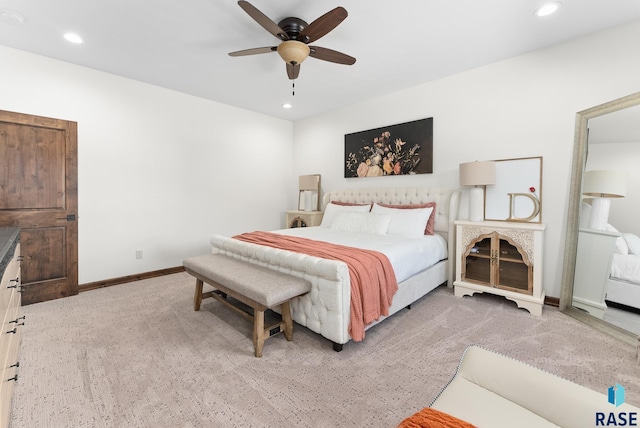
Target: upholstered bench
column 493, row 390
column 258, row 287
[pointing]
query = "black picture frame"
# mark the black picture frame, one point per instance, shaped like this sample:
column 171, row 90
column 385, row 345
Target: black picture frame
column 402, row 149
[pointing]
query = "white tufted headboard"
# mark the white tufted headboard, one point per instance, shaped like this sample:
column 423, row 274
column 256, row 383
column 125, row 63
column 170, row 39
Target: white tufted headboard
column 446, row 200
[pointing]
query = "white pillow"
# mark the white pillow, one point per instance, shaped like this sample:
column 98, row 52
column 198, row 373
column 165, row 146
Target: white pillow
column 633, row 242
column 621, row 246
column 610, row 228
column 375, row 224
column 331, row 210
column 410, row 223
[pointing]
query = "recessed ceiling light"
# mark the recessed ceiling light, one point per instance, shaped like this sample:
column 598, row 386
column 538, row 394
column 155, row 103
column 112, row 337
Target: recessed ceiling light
column 547, row 9
column 286, row 105
column 73, row 38
column 12, row 17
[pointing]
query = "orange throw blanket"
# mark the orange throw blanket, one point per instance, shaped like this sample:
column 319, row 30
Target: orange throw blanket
column 432, row 418
column 373, row 282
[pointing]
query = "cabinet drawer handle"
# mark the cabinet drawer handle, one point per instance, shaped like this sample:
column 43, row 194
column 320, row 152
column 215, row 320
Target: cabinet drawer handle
column 14, row 331
column 13, row 378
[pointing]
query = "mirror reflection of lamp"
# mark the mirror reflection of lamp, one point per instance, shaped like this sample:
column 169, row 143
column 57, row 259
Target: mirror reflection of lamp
column 603, row 185
column 309, row 193
column 479, row 175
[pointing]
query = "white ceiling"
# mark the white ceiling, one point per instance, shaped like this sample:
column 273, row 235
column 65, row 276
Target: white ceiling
column 183, row 45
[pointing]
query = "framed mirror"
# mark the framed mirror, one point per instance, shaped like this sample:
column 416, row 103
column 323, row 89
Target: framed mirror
column 575, row 233
column 522, row 176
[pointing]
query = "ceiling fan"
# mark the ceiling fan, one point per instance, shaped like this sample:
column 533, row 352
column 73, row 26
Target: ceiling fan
column 295, row 35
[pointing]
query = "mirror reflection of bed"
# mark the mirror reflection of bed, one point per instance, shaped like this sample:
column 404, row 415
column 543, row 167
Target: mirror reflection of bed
column 614, row 147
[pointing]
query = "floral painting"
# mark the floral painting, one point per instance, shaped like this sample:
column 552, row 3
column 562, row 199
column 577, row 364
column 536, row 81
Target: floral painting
column 402, row 149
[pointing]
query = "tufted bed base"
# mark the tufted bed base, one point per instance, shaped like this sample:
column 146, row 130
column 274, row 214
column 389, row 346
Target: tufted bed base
column 326, row 308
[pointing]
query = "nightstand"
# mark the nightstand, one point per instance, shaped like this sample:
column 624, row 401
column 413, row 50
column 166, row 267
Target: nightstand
column 503, row 258
column 297, row 218
column 593, row 265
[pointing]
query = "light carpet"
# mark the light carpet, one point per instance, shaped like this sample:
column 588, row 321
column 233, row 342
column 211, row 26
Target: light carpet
column 138, row 355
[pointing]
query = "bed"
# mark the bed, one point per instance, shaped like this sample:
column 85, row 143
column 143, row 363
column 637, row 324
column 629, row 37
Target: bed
column 326, row 309
column 623, row 286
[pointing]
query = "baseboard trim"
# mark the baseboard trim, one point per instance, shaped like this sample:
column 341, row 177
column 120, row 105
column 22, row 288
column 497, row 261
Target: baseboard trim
column 552, row 301
column 130, row 278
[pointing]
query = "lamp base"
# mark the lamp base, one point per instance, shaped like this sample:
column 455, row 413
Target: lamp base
column 599, row 213
column 476, row 204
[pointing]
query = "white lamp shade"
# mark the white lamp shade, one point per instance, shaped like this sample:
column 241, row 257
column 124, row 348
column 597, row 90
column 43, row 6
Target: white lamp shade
column 477, row 173
column 605, row 184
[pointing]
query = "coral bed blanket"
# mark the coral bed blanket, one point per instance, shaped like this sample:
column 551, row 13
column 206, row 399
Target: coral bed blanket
column 373, row 282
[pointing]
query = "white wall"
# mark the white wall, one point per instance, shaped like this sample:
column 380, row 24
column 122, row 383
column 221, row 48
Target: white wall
column 158, row 170
column 623, row 214
column 161, row 171
column 521, row 107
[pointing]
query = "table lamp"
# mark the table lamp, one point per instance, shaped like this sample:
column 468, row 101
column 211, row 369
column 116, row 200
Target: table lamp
column 479, row 175
column 603, row 185
column 309, row 193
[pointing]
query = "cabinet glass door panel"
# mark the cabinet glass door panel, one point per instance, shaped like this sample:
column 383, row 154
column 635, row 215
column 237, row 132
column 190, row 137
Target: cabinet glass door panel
column 493, row 261
column 509, row 252
column 298, row 222
column 481, row 248
column 514, row 276
column 478, row 269
column 478, row 262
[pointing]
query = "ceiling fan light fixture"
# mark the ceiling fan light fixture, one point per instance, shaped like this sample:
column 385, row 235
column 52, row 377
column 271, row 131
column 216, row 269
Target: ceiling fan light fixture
column 293, row 52
column 296, row 35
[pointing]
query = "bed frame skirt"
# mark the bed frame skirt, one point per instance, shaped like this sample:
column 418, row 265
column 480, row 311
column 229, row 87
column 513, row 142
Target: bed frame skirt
column 326, row 308
column 623, row 292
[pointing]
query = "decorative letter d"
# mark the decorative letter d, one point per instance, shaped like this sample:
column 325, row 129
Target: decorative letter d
column 512, row 203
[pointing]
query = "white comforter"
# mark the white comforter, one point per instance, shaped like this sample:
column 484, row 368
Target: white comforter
column 626, row 267
column 407, row 256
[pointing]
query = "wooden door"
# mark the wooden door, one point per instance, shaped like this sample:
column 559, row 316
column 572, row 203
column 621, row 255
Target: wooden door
column 39, row 194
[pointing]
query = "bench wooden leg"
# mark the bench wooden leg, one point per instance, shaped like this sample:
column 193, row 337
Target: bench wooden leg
column 197, row 298
column 285, row 308
column 258, row 331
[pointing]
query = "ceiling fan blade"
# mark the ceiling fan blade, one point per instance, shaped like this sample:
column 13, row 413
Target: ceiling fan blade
column 254, row 51
column 331, row 55
column 293, row 71
column 323, row 25
column 263, row 20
